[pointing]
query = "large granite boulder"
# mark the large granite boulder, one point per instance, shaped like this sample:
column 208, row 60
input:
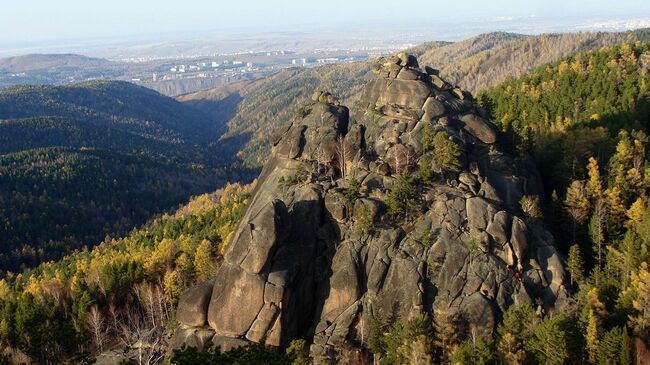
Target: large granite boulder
column 298, row 266
column 193, row 305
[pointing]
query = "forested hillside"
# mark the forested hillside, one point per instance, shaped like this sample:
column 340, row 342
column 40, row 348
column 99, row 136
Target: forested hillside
column 254, row 108
column 574, row 109
column 83, row 161
column 486, row 60
column 585, row 120
column 111, row 104
column 120, row 293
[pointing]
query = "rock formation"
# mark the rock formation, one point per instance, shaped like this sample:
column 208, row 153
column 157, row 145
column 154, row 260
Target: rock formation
column 297, row 268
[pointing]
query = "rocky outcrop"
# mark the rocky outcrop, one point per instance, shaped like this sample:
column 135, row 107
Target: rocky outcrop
column 297, row 266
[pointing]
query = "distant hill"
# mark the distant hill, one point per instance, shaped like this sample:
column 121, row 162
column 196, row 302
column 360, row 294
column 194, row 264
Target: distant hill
column 50, row 61
column 108, row 154
column 56, row 69
column 488, row 59
column 255, row 107
column 111, row 104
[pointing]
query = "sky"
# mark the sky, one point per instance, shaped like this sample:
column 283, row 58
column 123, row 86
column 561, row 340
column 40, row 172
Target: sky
column 30, row 21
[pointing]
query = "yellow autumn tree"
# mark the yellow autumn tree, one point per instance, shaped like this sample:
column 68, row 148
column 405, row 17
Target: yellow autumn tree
column 577, row 204
column 594, row 184
column 594, row 303
column 621, row 161
column 640, row 287
column 592, row 337
column 635, row 213
column 204, row 261
column 162, row 257
column 5, row 290
column 172, row 286
column 615, row 206
column 635, row 179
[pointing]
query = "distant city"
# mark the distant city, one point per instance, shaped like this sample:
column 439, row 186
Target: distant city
column 175, row 75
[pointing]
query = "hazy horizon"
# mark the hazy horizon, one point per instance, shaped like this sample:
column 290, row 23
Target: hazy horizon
column 90, row 28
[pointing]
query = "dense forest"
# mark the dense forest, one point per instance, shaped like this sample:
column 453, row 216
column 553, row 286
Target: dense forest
column 584, row 119
column 120, row 292
column 108, row 154
column 487, row 60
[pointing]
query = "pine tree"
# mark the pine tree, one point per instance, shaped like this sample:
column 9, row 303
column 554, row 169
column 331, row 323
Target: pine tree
column 610, row 348
column 636, row 212
column 621, row 162
column 592, row 337
column 627, row 256
column 446, row 155
column 298, row 352
column 640, row 290
column 597, row 229
column 575, row 264
column 577, row 204
column 594, row 184
column 425, row 172
column 353, row 192
column 626, row 348
column 403, row 196
column 363, row 221
column 204, row 264
column 615, row 208
column 549, row 343
column 446, row 332
column 427, row 137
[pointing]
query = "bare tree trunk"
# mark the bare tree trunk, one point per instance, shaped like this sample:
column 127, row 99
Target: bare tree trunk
column 95, row 322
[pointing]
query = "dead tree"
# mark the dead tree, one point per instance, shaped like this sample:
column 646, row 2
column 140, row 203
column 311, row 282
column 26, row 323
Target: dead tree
column 96, row 325
column 344, row 152
column 142, row 326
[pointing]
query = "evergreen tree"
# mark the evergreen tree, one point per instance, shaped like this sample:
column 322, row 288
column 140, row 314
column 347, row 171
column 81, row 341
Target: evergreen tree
column 640, row 289
column 425, row 172
column 446, row 153
column 625, row 357
column 480, row 352
column 549, row 343
column 592, row 337
column 446, row 329
column 353, row 192
column 577, row 204
column 575, row 264
column 403, row 196
column 363, row 221
column 609, row 351
column 204, row 260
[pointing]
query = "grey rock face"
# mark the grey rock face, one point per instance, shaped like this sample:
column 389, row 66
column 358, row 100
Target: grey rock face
column 193, row 305
column 298, row 267
column 479, row 128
